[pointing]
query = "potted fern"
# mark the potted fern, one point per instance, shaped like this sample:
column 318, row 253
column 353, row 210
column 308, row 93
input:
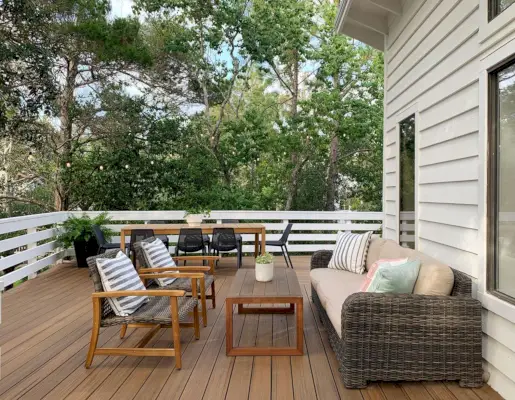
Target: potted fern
column 265, row 267
column 78, row 232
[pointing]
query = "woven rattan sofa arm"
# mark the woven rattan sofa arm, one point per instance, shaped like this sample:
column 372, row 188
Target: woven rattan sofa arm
column 150, row 293
column 379, row 315
column 320, row 258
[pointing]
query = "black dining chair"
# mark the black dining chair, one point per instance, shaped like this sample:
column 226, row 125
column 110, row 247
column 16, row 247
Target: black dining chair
column 224, row 239
column 103, row 244
column 138, row 235
column 282, row 244
column 190, row 240
column 234, row 221
column 164, row 238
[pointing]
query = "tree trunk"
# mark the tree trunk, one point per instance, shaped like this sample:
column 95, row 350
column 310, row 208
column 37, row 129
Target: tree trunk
column 297, row 166
column 332, row 175
column 61, row 192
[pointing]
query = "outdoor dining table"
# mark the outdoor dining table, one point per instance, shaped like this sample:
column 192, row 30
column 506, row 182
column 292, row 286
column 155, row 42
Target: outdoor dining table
column 259, row 231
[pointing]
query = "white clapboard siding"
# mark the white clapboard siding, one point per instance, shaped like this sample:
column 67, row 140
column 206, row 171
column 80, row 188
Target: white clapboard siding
column 434, row 57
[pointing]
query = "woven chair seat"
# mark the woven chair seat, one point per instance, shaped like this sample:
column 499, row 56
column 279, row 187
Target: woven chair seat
column 185, row 284
column 156, row 311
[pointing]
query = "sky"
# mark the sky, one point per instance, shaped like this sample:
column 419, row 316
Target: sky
column 121, row 8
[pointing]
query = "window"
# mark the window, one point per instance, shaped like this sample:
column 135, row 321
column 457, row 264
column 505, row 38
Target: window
column 407, row 178
column 501, row 188
column 498, row 6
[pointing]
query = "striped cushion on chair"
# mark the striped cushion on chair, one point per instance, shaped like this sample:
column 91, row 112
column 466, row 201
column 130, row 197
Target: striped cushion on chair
column 350, row 253
column 119, row 274
column 158, row 256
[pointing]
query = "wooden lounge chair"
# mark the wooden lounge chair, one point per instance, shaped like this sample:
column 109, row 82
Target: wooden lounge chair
column 208, row 281
column 165, row 309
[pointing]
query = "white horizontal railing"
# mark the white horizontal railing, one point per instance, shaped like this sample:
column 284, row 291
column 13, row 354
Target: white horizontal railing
column 312, row 230
column 31, row 239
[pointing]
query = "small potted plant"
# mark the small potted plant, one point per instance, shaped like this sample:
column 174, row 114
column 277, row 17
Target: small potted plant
column 195, row 216
column 78, row 232
column 265, row 267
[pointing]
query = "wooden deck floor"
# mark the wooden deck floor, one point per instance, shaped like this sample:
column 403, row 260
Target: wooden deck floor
column 45, row 332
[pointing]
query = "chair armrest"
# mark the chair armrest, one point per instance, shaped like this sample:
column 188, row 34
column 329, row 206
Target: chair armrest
column 409, row 317
column 189, row 258
column 151, row 293
column 185, row 269
column 191, row 275
column 321, row 258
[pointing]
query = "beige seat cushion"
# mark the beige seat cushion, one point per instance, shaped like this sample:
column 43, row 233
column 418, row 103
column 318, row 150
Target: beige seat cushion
column 333, row 287
column 434, row 278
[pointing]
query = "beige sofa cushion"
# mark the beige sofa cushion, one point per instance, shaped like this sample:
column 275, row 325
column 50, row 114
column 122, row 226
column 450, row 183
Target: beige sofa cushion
column 376, row 244
column 333, row 287
column 434, row 277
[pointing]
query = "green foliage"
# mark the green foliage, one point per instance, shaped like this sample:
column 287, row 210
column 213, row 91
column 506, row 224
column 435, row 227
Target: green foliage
column 80, row 229
column 188, row 104
column 266, row 258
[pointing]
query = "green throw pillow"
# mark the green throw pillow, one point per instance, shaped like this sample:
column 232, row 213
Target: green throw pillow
column 395, row 278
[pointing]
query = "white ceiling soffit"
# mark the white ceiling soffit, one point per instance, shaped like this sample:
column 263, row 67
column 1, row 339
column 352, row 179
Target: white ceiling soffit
column 367, row 20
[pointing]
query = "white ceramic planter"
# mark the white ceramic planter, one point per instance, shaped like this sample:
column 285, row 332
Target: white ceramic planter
column 264, row 272
column 194, row 219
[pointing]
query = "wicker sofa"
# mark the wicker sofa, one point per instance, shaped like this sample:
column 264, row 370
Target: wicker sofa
column 400, row 337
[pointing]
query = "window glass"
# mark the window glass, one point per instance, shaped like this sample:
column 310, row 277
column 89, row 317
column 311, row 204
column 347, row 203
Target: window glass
column 498, row 6
column 504, row 127
column 407, row 179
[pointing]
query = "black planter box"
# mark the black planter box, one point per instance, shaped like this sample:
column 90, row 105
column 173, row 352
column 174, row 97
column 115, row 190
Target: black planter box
column 83, row 250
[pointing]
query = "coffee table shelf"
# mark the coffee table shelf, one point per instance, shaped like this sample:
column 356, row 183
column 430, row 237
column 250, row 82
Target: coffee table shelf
column 247, row 293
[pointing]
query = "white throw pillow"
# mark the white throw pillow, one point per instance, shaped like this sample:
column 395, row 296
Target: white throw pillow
column 350, row 252
column 119, row 274
column 158, row 256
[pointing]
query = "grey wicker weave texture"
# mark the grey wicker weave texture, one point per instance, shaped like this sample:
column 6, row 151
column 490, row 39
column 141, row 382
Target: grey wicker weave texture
column 156, row 310
column 389, row 337
column 178, row 284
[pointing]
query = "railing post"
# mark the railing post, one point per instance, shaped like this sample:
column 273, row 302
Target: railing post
column 31, row 246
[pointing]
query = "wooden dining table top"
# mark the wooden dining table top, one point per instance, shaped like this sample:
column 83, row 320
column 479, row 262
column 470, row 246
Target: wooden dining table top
column 206, row 228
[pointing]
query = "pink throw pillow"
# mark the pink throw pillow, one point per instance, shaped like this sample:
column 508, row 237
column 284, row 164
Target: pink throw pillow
column 373, row 268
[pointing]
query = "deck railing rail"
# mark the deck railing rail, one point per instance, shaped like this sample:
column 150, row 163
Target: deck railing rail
column 29, row 242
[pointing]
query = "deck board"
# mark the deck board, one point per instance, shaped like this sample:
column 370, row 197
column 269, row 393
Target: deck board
column 45, row 334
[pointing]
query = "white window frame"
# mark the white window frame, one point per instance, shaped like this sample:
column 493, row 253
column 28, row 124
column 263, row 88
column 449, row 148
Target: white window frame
column 399, row 117
column 490, row 31
column 494, row 58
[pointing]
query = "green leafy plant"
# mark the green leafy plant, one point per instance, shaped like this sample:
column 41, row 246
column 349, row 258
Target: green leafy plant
column 80, row 229
column 266, row 258
column 198, row 210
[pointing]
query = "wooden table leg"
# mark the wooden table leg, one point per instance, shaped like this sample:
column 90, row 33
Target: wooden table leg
column 263, row 241
column 256, row 244
column 300, row 326
column 122, row 240
column 228, row 326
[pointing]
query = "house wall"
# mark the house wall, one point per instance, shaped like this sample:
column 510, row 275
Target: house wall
column 436, row 59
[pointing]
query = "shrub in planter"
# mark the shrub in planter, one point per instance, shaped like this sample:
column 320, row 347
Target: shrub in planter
column 265, row 268
column 78, row 232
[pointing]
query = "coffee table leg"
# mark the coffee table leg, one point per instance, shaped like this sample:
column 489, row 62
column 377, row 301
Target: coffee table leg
column 228, row 326
column 300, row 326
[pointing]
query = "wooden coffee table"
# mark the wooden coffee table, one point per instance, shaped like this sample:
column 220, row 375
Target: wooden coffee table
column 283, row 289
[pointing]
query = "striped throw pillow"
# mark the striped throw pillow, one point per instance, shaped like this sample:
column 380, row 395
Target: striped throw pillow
column 158, row 256
column 119, row 274
column 350, row 253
